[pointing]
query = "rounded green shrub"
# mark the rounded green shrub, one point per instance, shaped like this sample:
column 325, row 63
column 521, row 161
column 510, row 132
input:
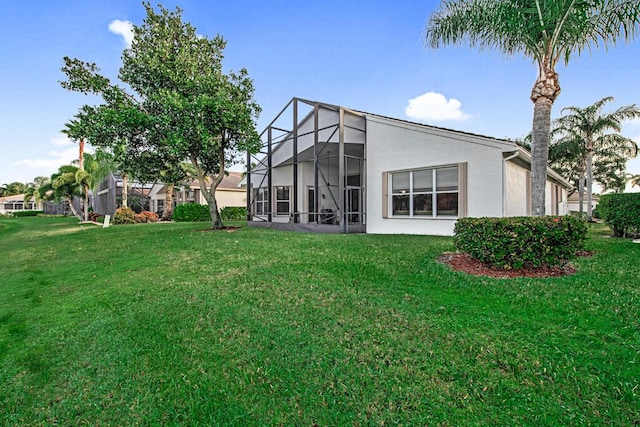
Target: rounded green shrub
column 123, row 216
column 520, row 242
column 621, row 212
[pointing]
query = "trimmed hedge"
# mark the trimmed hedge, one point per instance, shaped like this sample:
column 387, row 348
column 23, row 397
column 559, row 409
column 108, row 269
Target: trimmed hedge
column 123, row 216
column 621, row 212
column 18, row 214
column 191, row 212
column 519, row 242
column 231, row 213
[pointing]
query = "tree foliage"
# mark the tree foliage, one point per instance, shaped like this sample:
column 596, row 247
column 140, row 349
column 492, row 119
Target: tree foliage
column 547, row 32
column 183, row 106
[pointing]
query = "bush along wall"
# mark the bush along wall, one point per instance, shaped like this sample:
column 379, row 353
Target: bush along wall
column 231, row 213
column 521, row 242
column 191, row 212
column 26, row 213
column 621, row 212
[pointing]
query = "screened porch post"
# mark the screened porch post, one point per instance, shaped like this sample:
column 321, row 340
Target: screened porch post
column 316, row 193
column 269, row 174
column 295, row 160
column 248, row 186
column 341, row 173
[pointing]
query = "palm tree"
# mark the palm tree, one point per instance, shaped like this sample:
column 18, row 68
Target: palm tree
column 544, row 30
column 63, row 186
column 12, row 189
column 33, row 191
column 596, row 134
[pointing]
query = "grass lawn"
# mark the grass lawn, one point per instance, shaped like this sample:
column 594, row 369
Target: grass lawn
column 166, row 324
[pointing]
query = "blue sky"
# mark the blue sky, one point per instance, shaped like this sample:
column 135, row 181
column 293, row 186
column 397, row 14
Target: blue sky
column 365, row 55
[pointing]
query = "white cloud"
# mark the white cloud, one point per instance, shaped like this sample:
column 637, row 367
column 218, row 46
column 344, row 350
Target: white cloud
column 57, row 157
column 124, row 29
column 435, row 106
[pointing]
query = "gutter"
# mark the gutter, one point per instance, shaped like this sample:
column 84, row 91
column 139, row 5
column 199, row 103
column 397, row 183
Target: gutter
column 504, row 180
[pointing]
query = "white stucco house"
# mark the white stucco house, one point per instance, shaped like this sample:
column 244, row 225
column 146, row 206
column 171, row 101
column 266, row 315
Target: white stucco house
column 328, row 168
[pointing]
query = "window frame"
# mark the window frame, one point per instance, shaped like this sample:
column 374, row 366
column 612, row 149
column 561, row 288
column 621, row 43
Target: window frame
column 433, row 192
column 277, row 201
column 261, row 200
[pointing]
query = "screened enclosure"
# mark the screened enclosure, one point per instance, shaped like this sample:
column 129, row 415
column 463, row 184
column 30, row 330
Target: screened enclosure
column 310, row 173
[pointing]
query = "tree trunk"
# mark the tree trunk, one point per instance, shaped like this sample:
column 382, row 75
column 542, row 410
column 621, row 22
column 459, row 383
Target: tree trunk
column 581, row 192
column 589, row 162
column 125, row 191
column 210, row 196
column 73, row 209
column 86, row 202
column 544, row 92
column 167, row 213
column 85, row 186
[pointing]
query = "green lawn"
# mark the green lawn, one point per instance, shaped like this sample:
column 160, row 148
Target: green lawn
column 166, row 324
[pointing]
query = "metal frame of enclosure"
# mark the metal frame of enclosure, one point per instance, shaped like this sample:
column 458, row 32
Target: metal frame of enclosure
column 318, row 152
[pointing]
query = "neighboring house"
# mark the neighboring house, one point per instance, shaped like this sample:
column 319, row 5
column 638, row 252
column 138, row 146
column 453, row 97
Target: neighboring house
column 573, row 202
column 108, row 197
column 341, row 170
column 230, row 192
column 10, row 204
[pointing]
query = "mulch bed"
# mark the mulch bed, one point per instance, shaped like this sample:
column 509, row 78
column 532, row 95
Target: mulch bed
column 459, row 261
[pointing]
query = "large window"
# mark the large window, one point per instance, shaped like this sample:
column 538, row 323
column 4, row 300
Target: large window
column 427, row 193
column 260, row 199
column 282, row 200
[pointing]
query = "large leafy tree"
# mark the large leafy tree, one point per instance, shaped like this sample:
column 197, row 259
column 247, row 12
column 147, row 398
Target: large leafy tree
column 183, row 106
column 589, row 134
column 547, row 31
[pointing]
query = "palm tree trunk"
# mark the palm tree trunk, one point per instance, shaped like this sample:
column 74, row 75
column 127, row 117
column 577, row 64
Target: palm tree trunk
column 73, row 209
column 589, row 162
column 544, row 92
column 86, row 202
column 581, row 192
column 540, row 154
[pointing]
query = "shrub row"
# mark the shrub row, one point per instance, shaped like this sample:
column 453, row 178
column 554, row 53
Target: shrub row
column 18, row 214
column 621, row 212
column 191, row 212
column 520, row 242
column 231, row 213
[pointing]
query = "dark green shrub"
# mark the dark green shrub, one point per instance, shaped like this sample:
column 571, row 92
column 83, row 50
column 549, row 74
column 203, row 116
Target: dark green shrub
column 519, row 242
column 26, row 213
column 621, row 212
column 231, row 213
column 123, row 216
column 191, row 212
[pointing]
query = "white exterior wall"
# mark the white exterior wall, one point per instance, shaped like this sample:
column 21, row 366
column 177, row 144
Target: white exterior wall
column 516, row 203
column 394, row 146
